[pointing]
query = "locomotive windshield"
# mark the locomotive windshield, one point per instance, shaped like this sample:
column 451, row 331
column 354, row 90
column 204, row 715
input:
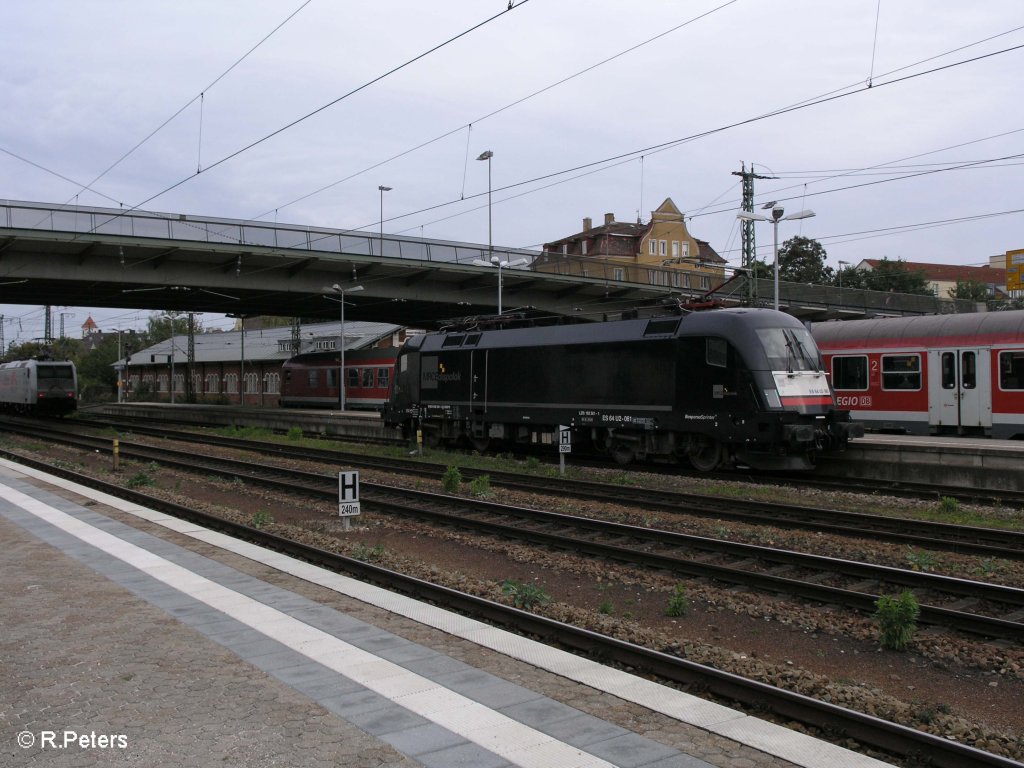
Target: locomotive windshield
column 62, row 375
column 790, row 349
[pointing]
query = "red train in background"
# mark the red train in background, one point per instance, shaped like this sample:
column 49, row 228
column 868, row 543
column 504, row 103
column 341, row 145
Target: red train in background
column 931, row 375
column 310, row 380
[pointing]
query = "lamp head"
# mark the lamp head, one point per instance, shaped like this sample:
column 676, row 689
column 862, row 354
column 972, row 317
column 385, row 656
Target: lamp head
column 495, row 260
column 487, row 155
column 777, row 212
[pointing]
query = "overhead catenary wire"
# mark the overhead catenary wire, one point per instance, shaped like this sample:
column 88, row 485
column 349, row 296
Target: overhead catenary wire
column 673, row 143
column 328, row 105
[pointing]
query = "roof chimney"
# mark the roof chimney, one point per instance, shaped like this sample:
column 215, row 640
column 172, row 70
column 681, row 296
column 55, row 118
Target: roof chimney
column 587, row 224
column 609, row 218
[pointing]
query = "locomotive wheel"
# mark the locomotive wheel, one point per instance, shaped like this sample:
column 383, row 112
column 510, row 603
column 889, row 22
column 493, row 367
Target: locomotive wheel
column 706, row 455
column 623, row 453
column 480, row 444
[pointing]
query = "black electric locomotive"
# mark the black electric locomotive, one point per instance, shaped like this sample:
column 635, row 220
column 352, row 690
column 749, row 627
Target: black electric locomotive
column 715, row 387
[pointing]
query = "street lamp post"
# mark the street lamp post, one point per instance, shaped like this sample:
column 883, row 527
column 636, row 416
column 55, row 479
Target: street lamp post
column 496, row 262
column 776, row 217
column 341, row 340
column 841, row 265
column 382, row 189
column 490, row 239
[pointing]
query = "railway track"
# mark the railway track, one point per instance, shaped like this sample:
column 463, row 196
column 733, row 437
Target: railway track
column 974, row 607
column 973, row 540
column 841, row 723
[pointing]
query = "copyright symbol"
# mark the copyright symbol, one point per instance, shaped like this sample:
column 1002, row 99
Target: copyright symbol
column 26, row 739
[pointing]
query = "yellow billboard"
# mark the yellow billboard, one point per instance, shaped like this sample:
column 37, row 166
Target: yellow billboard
column 1015, row 270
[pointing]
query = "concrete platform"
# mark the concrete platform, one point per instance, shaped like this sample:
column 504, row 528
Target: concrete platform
column 957, row 461
column 134, row 638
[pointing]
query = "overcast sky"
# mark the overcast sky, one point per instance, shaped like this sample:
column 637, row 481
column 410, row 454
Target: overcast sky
column 590, row 107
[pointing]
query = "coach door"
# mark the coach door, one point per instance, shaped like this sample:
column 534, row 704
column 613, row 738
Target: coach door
column 959, row 388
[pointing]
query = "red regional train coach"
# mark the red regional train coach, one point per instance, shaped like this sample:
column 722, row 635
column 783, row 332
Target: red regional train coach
column 310, row 380
column 931, row 375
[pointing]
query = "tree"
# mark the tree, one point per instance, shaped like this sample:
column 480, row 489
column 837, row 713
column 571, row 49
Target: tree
column 802, row 260
column 160, row 327
column 96, row 375
column 893, row 276
column 971, row 290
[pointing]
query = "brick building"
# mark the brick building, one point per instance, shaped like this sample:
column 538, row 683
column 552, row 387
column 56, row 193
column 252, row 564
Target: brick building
column 660, row 252
column 240, row 366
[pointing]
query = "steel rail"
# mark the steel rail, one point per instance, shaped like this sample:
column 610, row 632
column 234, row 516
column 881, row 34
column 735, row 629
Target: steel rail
column 829, row 718
column 325, row 487
column 960, row 539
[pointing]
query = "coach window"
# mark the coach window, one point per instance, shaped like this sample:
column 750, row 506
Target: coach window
column 901, row 372
column 314, row 378
column 717, row 352
column 351, row 377
column 850, row 372
column 383, row 378
column 969, row 370
column 332, row 378
column 1011, row 370
column 367, row 375
column 947, row 364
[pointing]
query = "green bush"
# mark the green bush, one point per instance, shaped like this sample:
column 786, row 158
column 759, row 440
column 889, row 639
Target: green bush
column 294, row 433
column 452, row 480
column 897, row 620
column 525, row 596
column 139, row 479
column 480, row 485
column 261, row 519
column 679, row 603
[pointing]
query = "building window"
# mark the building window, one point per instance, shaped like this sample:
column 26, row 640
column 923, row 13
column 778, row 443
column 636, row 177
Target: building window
column 686, row 249
column 179, row 382
column 583, row 247
column 618, row 274
column 252, row 383
column 584, row 272
column 850, row 372
column 663, row 247
column 675, row 249
column 231, row 383
column 652, row 276
column 705, row 282
column 161, row 382
column 212, row 384
column 652, row 246
column 901, row 371
column 272, row 383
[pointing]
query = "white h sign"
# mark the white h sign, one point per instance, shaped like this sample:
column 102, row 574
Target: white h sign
column 348, row 494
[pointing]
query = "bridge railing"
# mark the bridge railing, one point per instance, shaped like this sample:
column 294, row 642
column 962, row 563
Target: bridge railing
column 165, row 226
